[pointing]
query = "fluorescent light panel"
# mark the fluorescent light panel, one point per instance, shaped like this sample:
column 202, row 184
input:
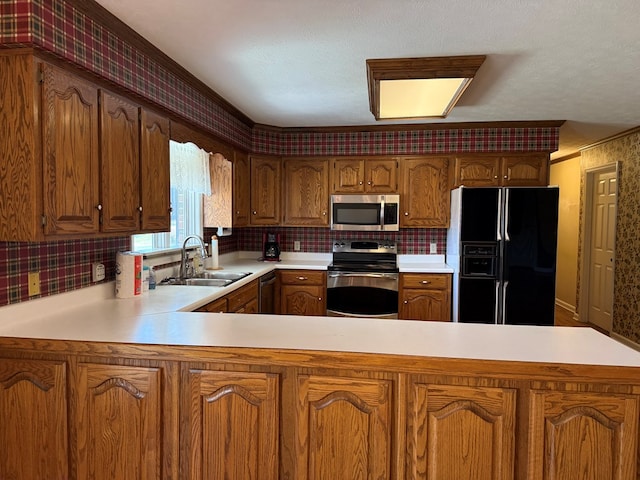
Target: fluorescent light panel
column 432, row 97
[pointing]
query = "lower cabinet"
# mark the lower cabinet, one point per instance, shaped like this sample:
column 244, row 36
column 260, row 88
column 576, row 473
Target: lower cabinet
column 242, row 300
column 33, row 419
column 425, row 296
column 231, row 425
column 302, row 292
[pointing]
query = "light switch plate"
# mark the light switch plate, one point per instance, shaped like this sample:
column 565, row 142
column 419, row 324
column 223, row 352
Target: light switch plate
column 34, row 283
column 296, row 245
column 97, row 272
column 433, row 248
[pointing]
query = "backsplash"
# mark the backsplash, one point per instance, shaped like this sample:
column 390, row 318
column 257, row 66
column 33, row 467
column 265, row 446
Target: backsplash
column 63, row 265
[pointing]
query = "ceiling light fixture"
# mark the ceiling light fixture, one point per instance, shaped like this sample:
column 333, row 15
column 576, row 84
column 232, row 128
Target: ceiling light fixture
column 418, row 87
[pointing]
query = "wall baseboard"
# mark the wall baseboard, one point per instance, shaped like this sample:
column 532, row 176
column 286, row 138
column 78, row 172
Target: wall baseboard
column 566, row 306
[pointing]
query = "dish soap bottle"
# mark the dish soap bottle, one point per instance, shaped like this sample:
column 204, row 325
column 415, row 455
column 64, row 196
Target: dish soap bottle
column 198, row 263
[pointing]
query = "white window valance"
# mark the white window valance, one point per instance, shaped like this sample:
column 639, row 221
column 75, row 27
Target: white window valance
column 189, row 168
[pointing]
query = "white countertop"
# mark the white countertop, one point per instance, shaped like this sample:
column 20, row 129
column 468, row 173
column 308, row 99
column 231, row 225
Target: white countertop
column 160, row 318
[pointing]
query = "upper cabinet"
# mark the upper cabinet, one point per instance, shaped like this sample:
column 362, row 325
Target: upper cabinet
column 88, row 168
column 266, row 173
column 359, row 175
column 504, row 170
column 306, row 186
column 218, row 211
column 424, row 200
column 241, row 190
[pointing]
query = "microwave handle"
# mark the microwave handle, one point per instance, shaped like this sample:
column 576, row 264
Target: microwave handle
column 382, row 213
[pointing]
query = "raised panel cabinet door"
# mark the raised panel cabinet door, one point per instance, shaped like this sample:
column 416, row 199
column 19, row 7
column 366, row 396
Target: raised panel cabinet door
column 306, row 192
column 232, row 425
column 425, row 304
column 344, row 428
column 241, row 190
column 460, row 432
column 381, row 176
column 302, row 300
column 477, row 172
column 265, row 190
column 218, row 207
column 119, row 422
column 33, row 419
column 528, row 170
column 70, row 154
column 425, row 193
column 348, row 175
column 595, row 434
column 155, row 177
column 119, row 164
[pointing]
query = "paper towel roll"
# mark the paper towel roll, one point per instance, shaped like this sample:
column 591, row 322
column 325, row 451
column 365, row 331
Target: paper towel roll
column 128, row 274
column 211, row 262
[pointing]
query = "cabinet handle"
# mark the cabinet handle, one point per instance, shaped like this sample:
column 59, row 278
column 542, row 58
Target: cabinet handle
column 319, row 299
column 254, row 212
column 425, row 282
column 359, row 183
column 406, row 214
column 369, row 183
column 302, row 278
column 405, row 302
column 324, row 213
column 506, row 176
column 140, row 208
column 495, row 176
column 99, row 207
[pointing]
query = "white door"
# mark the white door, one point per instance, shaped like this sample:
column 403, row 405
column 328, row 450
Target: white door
column 603, row 229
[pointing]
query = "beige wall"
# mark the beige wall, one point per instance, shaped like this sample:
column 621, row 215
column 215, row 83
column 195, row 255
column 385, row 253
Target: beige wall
column 626, row 295
column 566, row 175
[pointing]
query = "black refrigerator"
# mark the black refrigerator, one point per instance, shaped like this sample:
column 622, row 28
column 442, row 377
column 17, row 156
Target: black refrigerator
column 502, row 245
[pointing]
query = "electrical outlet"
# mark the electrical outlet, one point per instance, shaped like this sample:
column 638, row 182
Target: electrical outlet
column 433, row 248
column 296, row 245
column 34, row 283
column 97, row 272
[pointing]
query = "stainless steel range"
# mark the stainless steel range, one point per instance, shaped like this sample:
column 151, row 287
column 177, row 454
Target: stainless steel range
column 362, row 281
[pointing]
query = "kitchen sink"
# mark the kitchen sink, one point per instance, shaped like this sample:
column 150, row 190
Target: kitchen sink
column 208, row 279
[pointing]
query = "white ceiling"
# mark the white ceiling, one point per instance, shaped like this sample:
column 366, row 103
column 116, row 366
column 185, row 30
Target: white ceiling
column 301, row 63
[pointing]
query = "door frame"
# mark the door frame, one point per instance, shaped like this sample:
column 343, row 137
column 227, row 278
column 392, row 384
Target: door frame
column 585, row 261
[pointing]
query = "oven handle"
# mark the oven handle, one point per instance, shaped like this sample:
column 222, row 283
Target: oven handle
column 336, row 313
column 363, row 274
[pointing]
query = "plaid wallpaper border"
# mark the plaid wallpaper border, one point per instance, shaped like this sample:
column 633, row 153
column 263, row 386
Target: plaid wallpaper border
column 63, row 265
column 402, row 142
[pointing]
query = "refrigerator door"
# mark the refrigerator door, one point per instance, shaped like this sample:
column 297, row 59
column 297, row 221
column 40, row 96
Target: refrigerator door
column 529, row 255
column 480, row 215
column 479, row 300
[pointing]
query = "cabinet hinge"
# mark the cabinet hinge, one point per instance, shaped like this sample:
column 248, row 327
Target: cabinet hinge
column 41, row 76
column 43, row 220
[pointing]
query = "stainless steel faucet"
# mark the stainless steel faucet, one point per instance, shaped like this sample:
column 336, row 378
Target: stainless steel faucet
column 184, row 256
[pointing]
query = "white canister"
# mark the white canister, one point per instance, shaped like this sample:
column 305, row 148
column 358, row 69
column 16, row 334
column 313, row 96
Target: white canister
column 128, row 274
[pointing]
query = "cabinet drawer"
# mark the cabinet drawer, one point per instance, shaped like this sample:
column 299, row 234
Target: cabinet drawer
column 434, row 281
column 217, row 306
column 302, row 277
column 242, row 296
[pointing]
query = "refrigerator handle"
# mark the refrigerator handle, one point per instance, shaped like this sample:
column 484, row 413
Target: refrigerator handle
column 504, row 302
column 506, row 217
column 497, row 305
column 499, row 221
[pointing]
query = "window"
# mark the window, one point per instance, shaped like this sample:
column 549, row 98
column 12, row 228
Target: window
column 189, row 181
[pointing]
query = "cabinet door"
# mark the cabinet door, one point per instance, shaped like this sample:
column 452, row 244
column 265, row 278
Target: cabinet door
column 119, row 422
column 528, row 170
column 381, row 176
column 425, row 193
column 583, row 432
column 460, row 432
column 425, row 305
column 218, row 207
column 119, row 164
column 33, row 419
column 477, row 172
column 70, row 154
column 241, row 190
column 307, row 192
column 232, row 425
column 348, row 175
column 155, row 178
column 217, row 306
column 344, row 428
column 302, row 300
column 265, row 190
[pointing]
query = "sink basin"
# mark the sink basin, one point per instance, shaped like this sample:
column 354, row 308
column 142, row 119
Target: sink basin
column 208, row 279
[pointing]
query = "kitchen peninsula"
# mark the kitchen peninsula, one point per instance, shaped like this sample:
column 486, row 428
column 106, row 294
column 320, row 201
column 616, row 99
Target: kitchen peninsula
column 175, row 394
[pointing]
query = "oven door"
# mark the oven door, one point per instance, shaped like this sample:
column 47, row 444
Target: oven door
column 362, row 294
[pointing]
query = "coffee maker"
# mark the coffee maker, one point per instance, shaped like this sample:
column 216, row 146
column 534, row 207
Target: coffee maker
column 271, row 247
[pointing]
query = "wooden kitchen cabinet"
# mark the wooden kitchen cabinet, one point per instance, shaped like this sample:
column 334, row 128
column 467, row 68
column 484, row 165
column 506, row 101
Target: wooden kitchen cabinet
column 33, row 415
column 266, row 175
column 231, row 425
column 461, row 431
column 502, row 170
column 241, row 189
column 119, row 422
column 244, row 299
column 344, row 428
column 216, row 306
column 364, row 175
column 302, row 292
column 425, row 296
column 425, row 193
column 306, row 187
column 574, row 430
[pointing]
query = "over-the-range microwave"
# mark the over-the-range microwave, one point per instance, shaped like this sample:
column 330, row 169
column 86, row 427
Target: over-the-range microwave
column 372, row 213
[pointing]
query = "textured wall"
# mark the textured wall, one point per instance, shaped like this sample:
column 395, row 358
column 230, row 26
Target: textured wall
column 566, row 175
column 626, row 303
